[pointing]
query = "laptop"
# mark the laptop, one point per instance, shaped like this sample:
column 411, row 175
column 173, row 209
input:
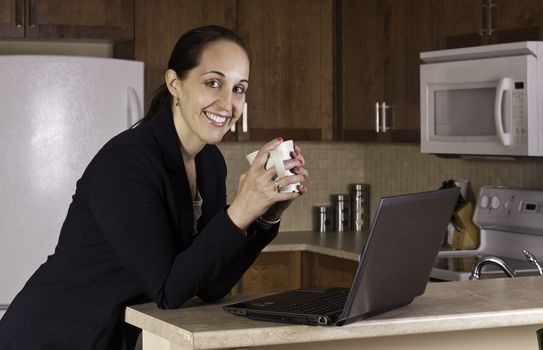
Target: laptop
column 393, row 269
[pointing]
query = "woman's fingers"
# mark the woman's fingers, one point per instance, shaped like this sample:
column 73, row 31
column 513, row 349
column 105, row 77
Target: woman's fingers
column 264, row 152
column 290, row 180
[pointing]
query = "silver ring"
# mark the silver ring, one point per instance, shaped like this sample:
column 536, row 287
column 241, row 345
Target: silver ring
column 277, row 186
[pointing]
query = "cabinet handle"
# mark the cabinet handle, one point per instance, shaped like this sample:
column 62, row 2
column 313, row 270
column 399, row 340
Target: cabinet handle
column 32, row 13
column 19, row 13
column 377, row 127
column 384, row 126
column 4, row 307
column 244, row 127
column 490, row 5
column 483, row 26
column 243, row 120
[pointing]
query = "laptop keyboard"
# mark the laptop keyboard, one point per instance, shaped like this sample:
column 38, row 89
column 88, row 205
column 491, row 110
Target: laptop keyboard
column 320, row 306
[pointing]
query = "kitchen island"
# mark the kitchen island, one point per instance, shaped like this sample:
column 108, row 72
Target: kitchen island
column 495, row 314
column 488, row 314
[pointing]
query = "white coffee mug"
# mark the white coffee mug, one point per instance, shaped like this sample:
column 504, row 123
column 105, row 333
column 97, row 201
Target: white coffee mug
column 277, row 155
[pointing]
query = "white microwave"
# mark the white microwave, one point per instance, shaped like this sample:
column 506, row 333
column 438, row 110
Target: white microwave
column 485, row 100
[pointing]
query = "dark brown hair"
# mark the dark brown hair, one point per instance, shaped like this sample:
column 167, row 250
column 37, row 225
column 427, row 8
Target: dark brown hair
column 186, row 55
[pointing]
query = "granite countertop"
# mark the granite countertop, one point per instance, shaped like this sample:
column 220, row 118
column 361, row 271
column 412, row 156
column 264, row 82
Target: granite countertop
column 451, row 306
column 346, row 245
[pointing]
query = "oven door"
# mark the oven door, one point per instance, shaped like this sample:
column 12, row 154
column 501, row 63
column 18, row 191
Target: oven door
column 476, row 107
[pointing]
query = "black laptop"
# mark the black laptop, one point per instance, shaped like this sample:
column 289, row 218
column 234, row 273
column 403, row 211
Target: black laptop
column 394, row 267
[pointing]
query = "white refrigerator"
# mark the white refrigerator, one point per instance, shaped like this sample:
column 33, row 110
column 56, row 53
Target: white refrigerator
column 55, row 114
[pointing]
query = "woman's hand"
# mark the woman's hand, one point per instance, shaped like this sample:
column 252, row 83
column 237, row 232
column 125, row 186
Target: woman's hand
column 258, row 194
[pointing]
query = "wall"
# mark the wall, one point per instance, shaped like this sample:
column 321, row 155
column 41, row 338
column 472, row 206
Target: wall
column 389, row 169
column 93, row 48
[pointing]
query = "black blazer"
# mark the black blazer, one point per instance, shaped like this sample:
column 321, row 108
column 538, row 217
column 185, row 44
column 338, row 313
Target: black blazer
column 128, row 238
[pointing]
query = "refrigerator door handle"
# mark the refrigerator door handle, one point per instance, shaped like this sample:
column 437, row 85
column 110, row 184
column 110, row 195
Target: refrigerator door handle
column 134, row 109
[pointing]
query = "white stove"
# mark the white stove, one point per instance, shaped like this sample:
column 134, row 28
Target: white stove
column 509, row 220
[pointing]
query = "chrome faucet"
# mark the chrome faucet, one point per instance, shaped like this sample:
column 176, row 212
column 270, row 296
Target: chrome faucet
column 476, row 274
column 531, row 258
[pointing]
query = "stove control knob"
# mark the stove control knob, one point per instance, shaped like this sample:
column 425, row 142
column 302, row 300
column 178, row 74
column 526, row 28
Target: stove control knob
column 495, row 202
column 484, row 201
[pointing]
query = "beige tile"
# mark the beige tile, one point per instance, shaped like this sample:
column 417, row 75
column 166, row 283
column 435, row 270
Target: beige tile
column 389, row 169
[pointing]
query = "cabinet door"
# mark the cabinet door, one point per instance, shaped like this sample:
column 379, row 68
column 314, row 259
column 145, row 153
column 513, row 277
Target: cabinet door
column 271, row 272
column 323, row 270
column 412, row 29
column 12, row 18
column 160, row 23
column 517, row 20
column 92, row 19
column 461, row 23
column 290, row 88
column 361, row 43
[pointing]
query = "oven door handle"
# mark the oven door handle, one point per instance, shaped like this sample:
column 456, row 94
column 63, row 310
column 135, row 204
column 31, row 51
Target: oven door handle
column 504, row 87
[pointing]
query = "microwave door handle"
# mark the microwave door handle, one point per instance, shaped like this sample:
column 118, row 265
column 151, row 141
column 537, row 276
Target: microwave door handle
column 504, row 85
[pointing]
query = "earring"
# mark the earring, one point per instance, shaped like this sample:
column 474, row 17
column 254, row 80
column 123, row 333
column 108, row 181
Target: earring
column 177, row 102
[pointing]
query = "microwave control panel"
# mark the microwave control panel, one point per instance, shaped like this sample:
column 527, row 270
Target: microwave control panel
column 519, row 129
column 503, row 208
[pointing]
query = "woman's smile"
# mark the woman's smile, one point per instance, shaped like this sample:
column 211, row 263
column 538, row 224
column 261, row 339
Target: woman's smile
column 218, row 120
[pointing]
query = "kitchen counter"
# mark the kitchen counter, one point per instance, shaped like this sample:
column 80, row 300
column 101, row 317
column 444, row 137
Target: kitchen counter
column 344, row 245
column 487, row 314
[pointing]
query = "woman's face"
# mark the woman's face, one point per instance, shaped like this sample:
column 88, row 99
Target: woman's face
column 212, row 94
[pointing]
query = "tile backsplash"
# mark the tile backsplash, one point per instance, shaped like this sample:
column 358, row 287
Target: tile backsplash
column 389, row 169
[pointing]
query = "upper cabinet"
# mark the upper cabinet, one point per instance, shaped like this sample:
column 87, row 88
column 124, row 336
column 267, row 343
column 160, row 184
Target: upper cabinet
column 12, row 18
column 291, row 85
column 89, row 19
column 290, row 42
column 464, row 23
column 321, row 70
column 378, row 81
column 160, row 24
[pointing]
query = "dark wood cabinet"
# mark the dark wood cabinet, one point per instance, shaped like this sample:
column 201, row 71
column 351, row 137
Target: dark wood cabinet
column 460, row 23
column 12, row 18
column 465, row 23
column 271, row 272
column 290, row 90
column 88, row 19
column 378, row 84
column 281, row 271
column 411, row 30
column 361, row 74
column 160, row 23
column 324, row 270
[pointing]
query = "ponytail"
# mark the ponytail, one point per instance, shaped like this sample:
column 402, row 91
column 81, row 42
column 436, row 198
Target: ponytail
column 162, row 97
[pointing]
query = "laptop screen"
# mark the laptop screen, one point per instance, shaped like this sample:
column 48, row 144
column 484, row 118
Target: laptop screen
column 397, row 258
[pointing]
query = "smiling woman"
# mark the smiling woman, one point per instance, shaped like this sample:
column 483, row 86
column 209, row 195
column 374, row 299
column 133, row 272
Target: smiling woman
column 210, row 99
column 149, row 219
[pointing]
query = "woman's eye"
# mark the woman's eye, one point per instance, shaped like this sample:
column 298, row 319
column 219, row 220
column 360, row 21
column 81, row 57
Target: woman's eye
column 213, row 83
column 239, row 89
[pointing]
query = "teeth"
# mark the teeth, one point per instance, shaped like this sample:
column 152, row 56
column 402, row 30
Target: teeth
column 216, row 118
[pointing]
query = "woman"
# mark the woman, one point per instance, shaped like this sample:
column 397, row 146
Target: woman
column 149, row 219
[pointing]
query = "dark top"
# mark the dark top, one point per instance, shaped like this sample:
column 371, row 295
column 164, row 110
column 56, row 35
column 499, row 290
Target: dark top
column 128, row 238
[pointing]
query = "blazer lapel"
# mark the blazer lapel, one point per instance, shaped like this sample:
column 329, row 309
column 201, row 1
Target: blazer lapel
column 211, row 183
column 181, row 210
